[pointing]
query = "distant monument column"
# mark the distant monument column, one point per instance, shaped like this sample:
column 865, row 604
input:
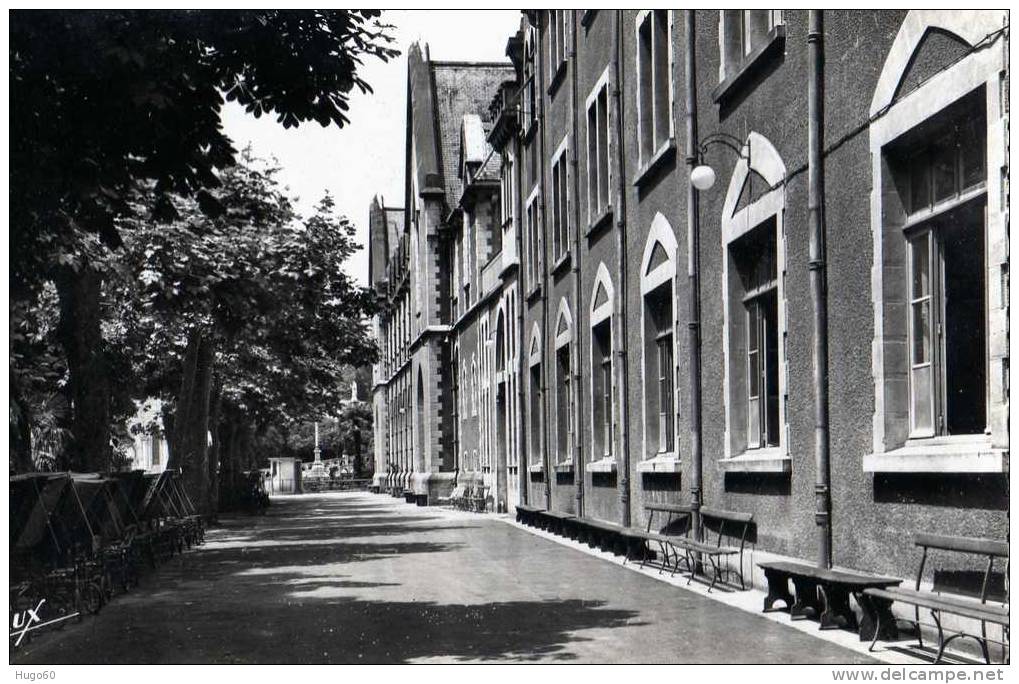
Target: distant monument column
column 317, row 476
column 318, row 452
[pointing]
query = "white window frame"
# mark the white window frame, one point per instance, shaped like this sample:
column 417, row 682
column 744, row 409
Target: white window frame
column 892, row 450
column 564, row 340
column 558, row 41
column 654, row 148
column 775, row 18
column 529, row 88
column 597, row 205
column 765, row 162
column 597, row 316
column 532, row 213
column 561, row 233
column 536, row 415
column 660, row 233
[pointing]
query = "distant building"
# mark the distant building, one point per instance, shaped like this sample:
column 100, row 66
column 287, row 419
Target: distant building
column 284, row 475
column 443, row 240
column 149, row 449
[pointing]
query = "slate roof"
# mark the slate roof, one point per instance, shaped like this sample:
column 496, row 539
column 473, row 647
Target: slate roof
column 462, row 88
column 394, row 227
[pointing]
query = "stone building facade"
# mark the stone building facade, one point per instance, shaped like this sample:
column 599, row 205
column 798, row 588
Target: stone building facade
column 541, row 318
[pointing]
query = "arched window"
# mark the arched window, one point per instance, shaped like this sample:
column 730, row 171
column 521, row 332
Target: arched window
column 564, row 384
column 502, row 437
column 534, row 395
column 474, row 386
column 939, row 225
column 602, row 298
column 753, row 296
column 500, row 343
column 419, row 456
column 454, row 374
column 658, row 323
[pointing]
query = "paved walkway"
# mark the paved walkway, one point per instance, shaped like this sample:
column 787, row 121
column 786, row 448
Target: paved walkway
column 361, row 578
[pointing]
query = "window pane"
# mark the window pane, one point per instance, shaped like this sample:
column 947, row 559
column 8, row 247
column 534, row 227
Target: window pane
column 921, row 331
column 592, row 161
column 922, row 405
column 661, row 76
column 665, row 393
column 755, row 29
column 556, row 245
column 564, row 205
column 753, row 376
column 607, row 406
column 943, row 169
column 603, row 148
column 733, row 30
column 536, row 412
column 769, row 309
column 563, row 403
column 645, row 86
column 753, row 343
column 964, row 367
column 972, row 148
column 919, row 184
column 921, row 266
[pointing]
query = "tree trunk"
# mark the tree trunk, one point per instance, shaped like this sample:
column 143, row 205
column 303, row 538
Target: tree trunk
column 215, row 411
column 176, row 425
column 190, row 438
column 196, row 474
column 227, row 437
column 81, row 337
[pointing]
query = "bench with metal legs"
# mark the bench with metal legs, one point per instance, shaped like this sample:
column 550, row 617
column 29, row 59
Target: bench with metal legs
column 876, row 603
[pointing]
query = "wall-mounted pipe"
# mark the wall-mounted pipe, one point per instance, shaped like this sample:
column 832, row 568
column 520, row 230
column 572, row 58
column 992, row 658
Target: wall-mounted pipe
column 693, row 238
column 578, row 449
column 818, row 284
column 539, row 103
column 621, row 367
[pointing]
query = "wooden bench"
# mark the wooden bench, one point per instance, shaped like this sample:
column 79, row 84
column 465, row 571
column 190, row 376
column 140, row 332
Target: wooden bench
column 559, row 522
column 675, row 513
column 876, row 603
column 715, row 552
column 821, row 593
column 528, row 515
column 609, row 536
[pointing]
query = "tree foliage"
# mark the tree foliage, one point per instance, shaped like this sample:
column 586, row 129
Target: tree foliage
column 101, row 100
column 257, row 289
column 115, row 128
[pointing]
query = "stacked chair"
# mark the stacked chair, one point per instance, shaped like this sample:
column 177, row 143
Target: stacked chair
column 79, row 539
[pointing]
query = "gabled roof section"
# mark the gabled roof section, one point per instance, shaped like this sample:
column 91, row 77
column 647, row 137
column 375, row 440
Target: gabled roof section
column 421, row 124
column 440, row 95
column 385, row 226
column 462, row 88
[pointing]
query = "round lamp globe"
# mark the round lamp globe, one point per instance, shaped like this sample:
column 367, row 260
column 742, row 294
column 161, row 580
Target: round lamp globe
column 702, row 177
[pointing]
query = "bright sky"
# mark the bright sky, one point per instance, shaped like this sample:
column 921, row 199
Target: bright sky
column 367, row 156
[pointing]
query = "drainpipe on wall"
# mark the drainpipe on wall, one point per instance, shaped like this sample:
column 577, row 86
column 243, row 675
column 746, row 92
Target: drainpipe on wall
column 539, row 102
column 819, row 286
column 578, row 451
column 523, row 460
column 619, row 339
column 693, row 241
